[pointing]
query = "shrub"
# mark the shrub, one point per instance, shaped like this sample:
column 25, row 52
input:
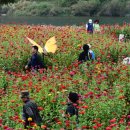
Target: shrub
column 78, row 7
column 29, row 8
column 113, row 8
column 84, row 8
column 67, row 3
column 3, row 81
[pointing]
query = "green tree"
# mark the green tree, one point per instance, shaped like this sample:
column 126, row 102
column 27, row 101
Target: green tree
column 6, row 1
column 68, row 2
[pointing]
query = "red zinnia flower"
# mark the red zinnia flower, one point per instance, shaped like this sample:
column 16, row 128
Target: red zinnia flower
column 40, row 108
column 113, row 120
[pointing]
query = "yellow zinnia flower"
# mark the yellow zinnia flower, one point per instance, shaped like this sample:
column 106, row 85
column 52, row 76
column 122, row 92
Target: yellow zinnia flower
column 29, row 119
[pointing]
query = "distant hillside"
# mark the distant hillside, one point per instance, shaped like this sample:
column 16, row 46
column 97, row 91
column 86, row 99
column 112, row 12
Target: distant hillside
column 65, row 7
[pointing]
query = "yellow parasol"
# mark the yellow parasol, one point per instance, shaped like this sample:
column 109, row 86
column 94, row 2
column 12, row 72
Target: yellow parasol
column 35, row 44
column 50, row 45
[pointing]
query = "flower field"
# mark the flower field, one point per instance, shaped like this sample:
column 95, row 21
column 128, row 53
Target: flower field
column 103, row 85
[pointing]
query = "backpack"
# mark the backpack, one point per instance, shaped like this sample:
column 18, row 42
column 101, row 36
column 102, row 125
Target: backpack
column 92, row 55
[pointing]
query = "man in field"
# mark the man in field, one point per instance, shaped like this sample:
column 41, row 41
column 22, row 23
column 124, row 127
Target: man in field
column 31, row 116
column 35, row 62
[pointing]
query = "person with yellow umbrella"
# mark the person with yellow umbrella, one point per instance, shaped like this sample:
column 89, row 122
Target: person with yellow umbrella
column 35, row 61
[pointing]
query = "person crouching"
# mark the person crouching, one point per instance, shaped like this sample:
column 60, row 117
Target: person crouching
column 35, row 62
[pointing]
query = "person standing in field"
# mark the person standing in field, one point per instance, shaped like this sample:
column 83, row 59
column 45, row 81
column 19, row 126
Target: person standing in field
column 89, row 26
column 85, row 55
column 96, row 26
column 35, row 62
column 30, row 116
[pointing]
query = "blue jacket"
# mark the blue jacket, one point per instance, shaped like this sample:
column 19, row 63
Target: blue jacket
column 35, row 62
column 92, row 54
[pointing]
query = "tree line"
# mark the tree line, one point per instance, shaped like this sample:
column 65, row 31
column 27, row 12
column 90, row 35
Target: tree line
column 67, row 7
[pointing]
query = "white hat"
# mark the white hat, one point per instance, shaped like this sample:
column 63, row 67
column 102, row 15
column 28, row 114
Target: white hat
column 90, row 21
column 89, row 45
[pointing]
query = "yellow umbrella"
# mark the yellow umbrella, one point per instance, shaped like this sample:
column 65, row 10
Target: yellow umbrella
column 40, row 49
column 50, row 45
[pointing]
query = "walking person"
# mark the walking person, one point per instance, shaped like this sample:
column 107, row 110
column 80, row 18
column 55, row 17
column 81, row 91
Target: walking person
column 30, row 112
column 72, row 106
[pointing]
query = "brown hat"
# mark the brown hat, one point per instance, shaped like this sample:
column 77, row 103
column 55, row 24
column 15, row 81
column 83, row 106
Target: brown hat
column 24, row 94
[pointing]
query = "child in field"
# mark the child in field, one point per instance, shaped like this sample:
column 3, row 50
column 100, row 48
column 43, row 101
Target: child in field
column 89, row 26
column 96, row 26
column 72, row 105
column 35, row 61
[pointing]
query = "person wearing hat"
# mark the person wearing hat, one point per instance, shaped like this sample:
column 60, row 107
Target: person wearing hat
column 85, row 55
column 35, row 62
column 89, row 26
column 30, row 111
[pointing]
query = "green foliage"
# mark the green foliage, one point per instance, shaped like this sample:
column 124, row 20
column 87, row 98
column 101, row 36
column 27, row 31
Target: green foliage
column 102, row 84
column 85, row 7
column 113, row 8
column 37, row 9
column 67, row 3
column 3, row 81
column 6, row 1
column 69, row 7
column 127, row 92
